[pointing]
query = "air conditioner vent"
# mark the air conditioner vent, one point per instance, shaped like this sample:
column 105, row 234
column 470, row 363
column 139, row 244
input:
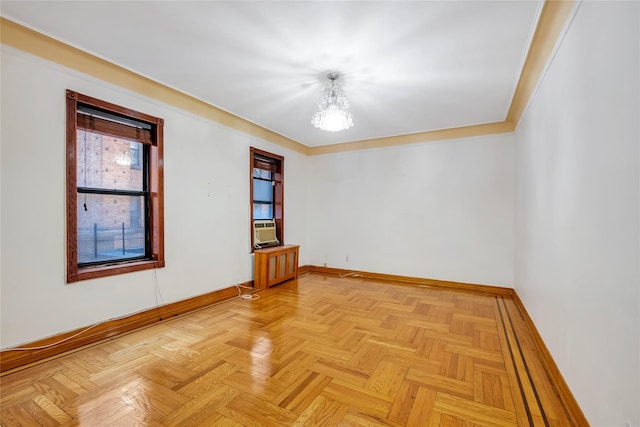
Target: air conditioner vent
column 264, row 232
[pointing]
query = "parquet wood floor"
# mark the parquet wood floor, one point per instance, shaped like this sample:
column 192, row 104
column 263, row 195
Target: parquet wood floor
column 319, row 350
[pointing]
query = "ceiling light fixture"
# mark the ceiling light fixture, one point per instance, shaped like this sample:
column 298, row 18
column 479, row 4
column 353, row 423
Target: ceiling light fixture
column 333, row 115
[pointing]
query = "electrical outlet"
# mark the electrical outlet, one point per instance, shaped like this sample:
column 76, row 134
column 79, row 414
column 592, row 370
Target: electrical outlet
column 346, row 258
column 324, row 265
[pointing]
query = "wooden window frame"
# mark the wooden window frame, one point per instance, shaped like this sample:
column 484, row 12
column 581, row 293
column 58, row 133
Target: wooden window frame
column 154, row 140
column 278, row 205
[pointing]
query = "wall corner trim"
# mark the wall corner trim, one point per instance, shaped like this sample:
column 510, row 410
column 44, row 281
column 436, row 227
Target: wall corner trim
column 44, row 349
column 573, row 410
column 552, row 20
column 550, row 24
column 40, row 45
column 557, row 380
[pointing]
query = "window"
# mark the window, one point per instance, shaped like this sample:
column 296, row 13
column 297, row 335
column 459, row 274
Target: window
column 266, row 191
column 114, row 189
column 135, row 154
column 263, row 194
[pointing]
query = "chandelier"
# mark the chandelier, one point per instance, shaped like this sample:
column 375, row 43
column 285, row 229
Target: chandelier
column 333, row 115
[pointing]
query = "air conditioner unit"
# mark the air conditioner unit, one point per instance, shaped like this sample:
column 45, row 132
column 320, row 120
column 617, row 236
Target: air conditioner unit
column 264, row 232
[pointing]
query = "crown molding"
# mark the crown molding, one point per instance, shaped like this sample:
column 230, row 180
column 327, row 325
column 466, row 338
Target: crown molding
column 414, row 138
column 35, row 43
column 552, row 20
column 548, row 31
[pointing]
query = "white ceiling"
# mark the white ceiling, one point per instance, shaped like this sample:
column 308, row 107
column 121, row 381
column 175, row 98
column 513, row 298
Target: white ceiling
column 406, row 67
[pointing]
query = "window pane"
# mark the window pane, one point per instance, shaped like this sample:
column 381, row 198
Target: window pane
column 135, row 154
column 110, row 227
column 262, row 211
column 262, row 191
column 105, row 162
column 261, row 173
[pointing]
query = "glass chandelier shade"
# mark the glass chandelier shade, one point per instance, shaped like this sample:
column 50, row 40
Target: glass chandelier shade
column 333, row 115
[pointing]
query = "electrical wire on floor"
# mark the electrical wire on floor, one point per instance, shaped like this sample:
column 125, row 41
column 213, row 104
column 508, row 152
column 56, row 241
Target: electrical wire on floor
column 88, row 328
column 157, row 286
column 62, row 340
column 248, row 295
column 352, row 274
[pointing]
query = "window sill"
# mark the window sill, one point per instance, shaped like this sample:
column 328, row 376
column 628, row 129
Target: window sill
column 112, row 270
column 275, row 245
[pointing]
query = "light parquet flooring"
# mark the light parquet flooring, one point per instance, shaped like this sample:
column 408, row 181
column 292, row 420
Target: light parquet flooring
column 319, row 350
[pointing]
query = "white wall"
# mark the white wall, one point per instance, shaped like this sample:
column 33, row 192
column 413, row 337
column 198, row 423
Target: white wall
column 206, row 206
column 449, row 216
column 439, row 210
column 577, row 227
